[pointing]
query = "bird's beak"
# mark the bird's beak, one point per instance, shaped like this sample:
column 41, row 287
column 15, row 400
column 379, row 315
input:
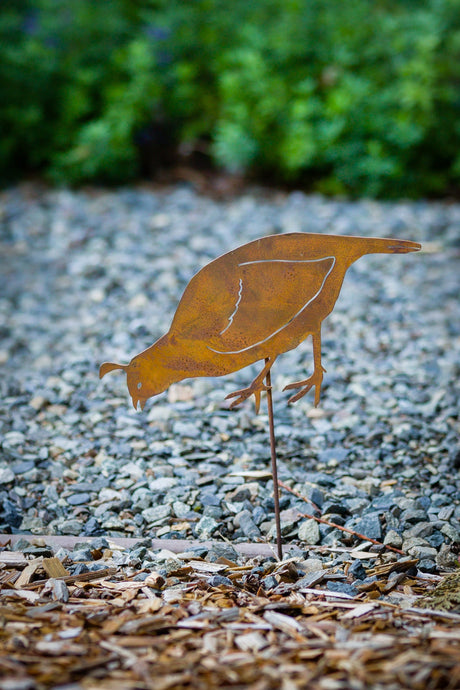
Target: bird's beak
column 403, row 246
column 139, row 402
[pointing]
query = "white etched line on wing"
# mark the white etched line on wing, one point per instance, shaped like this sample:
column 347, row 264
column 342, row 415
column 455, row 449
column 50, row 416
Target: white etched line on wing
column 261, row 342
column 231, row 317
column 288, row 261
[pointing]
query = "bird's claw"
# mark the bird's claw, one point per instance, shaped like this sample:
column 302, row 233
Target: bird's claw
column 301, row 393
column 245, row 393
column 315, row 380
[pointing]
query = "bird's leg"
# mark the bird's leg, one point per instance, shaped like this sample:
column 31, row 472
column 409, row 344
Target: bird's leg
column 255, row 388
column 315, row 379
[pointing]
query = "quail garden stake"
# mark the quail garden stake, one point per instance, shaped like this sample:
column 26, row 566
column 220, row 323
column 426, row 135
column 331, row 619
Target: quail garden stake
column 252, row 304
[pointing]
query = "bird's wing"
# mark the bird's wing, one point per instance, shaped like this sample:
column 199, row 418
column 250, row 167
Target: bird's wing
column 268, row 294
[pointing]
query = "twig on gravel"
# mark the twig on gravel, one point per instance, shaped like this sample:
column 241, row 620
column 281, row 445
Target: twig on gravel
column 333, row 524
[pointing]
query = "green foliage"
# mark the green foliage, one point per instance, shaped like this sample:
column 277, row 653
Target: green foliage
column 357, row 97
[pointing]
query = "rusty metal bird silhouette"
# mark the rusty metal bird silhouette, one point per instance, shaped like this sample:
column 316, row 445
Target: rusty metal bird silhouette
column 251, row 304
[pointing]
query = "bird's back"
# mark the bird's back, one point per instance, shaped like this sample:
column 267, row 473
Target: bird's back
column 275, row 271
column 253, row 293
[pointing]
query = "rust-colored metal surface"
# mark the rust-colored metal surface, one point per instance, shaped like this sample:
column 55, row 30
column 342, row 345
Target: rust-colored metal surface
column 253, row 303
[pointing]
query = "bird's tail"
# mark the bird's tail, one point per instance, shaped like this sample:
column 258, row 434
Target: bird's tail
column 110, row 366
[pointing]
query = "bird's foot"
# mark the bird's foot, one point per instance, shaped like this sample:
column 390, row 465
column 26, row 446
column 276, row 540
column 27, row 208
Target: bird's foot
column 306, row 385
column 254, row 389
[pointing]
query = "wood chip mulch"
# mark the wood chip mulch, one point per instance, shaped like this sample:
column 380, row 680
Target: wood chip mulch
column 112, row 629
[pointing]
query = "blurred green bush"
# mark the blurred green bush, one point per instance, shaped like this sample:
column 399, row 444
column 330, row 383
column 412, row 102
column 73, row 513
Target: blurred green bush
column 359, row 97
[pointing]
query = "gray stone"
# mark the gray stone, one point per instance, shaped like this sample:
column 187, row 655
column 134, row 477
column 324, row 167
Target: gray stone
column 414, row 541
column 181, row 509
column 314, row 494
column 413, row 516
column 247, row 525
column 392, row 538
column 368, row 525
column 427, row 565
column 269, row 582
column 311, row 565
column 6, row 475
column 446, row 512
column 385, row 502
column 342, row 587
column 113, row 523
column 51, row 493
column 206, row 527
column 357, row 570
column 208, row 499
column 219, row 581
column 451, row 533
column 73, row 527
column 242, row 493
column 32, row 524
column 357, row 505
column 222, row 550
column 422, row 552
column 335, row 508
column 23, row 545
column 132, row 470
column 422, row 529
column 22, row 467
column 289, row 519
column 78, row 499
column 162, row 484
column 36, row 551
column 338, row 454
column 259, row 515
column 405, row 503
column 106, row 495
column 80, row 569
column 81, row 555
column 332, row 538
column 101, row 543
column 309, row 532
column 57, row 589
column 213, row 511
column 157, row 513
column 13, row 438
column 436, row 539
column 447, row 558
column 186, row 429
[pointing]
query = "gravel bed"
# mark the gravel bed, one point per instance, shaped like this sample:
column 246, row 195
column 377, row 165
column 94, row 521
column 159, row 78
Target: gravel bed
column 96, row 275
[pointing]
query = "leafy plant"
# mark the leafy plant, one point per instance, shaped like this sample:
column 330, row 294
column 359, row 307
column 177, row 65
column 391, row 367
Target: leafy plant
column 359, row 97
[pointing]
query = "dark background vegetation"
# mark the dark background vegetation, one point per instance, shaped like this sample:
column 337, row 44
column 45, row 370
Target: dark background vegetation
column 360, row 97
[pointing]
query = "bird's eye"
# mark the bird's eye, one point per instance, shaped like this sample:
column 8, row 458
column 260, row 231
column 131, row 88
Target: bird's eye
column 139, row 385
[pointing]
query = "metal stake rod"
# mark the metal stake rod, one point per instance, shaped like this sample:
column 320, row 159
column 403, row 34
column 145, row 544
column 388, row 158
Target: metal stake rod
column 274, row 468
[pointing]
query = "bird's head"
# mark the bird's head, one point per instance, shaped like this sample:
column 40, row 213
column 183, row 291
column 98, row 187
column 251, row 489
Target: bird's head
column 142, row 379
column 349, row 249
